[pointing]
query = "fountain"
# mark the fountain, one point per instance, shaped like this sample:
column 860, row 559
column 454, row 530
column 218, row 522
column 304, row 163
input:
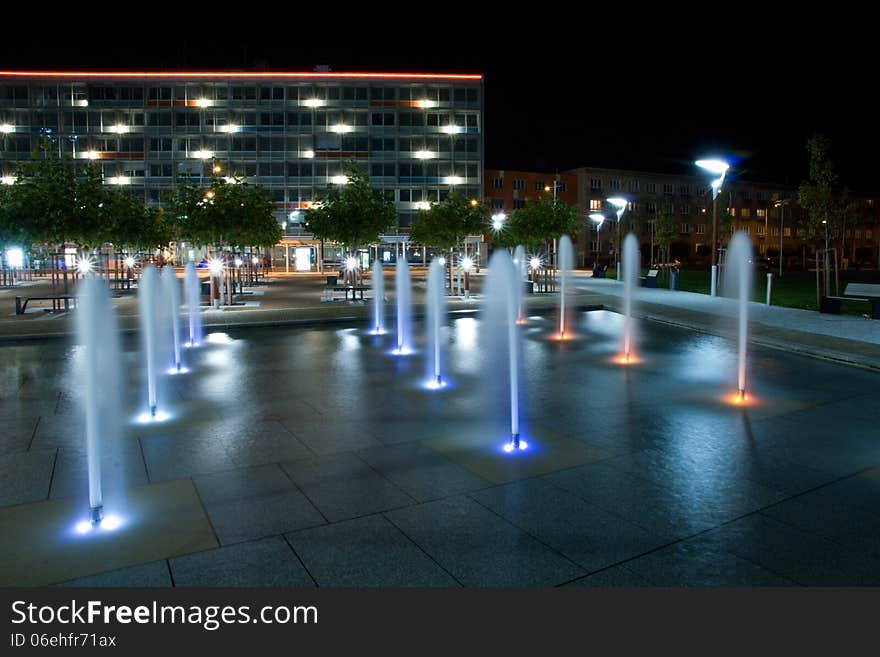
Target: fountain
column 378, row 284
column 435, row 319
column 566, row 257
column 503, row 335
column 519, row 261
column 192, row 289
column 738, row 284
column 148, row 306
column 171, row 290
column 630, row 266
column 404, row 306
column 97, row 332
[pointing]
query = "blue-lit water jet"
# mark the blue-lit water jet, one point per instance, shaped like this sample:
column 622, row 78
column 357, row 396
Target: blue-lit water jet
column 566, row 258
column 630, row 267
column 192, row 290
column 171, row 290
column 378, row 285
column 435, row 319
column 403, row 291
column 738, row 284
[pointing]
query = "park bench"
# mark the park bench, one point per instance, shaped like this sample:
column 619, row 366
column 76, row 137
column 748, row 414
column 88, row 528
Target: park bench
column 330, row 291
column 863, row 292
column 651, row 279
column 56, row 299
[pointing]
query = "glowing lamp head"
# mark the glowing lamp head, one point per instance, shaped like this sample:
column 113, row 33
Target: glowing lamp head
column 15, row 257
column 719, row 168
column 217, row 168
column 215, row 266
column 474, row 202
column 467, row 263
column 255, row 260
column 84, row 264
column 239, row 262
column 620, row 204
column 498, row 220
column 129, row 262
column 534, row 263
column 598, row 218
column 442, row 261
column 351, row 263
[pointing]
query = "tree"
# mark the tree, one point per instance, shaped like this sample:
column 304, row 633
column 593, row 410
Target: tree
column 353, row 214
column 538, row 221
column 665, row 229
column 446, row 224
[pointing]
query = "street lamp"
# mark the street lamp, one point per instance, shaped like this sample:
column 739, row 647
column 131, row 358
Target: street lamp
column 598, row 219
column 781, row 205
column 498, row 220
column 619, row 203
column 719, row 168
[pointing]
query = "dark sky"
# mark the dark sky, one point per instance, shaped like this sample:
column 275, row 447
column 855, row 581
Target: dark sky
column 558, row 98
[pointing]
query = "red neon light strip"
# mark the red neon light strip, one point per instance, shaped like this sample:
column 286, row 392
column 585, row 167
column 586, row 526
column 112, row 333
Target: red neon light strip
column 234, row 74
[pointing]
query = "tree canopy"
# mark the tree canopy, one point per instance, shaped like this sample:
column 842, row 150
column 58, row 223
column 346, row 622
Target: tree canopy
column 539, row 220
column 446, row 224
column 351, row 214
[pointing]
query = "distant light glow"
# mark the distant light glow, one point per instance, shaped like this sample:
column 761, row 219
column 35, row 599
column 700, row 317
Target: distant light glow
column 6, row 128
column 173, row 370
column 314, row 102
column 425, row 155
column 204, row 102
column 129, row 262
column 452, row 129
column 442, row 261
column 147, row 418
column 255, row 260
column 341, row 128
column 432, row 384
column 215, row 266
column 740, row 398
column 454, row 180
column 15, row 257
column 626, row 359
column 425, row 103
column 498, row 220
column 217, row 168
column 351, row 263
column 91, row 155
column 309, row 154
column 467, row 263
column 401, row 351
column 339, row 180
column 203, row 155
column 423, row 205
column 118, row 129
column 229, row 127
column 84, row 264
column 535, row 263
column 239, row 262
column 119, row 180
column 7, row 180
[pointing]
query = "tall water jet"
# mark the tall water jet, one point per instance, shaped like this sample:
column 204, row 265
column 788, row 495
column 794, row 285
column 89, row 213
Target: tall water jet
column 738, row 284
column 171, row 290
column 148, row 289
column 192, row 289
column 566, row 258
column 435, row 319
column 403, row 291
column 503, row 335
column 520, row 264
column 378, row 284
column 97, row 332
column 630, row 266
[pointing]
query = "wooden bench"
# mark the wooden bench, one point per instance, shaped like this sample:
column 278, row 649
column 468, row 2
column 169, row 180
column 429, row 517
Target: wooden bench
column 56, row 299
column 863, row 292
column 651, row 279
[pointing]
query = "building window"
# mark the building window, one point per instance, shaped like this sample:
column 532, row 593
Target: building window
column 497, row 203
column 651, row 206
column 595, row 204
column 786, row 232
column 561, row 186
column 761, row 212
column 633, row 186
column 684, row 190
column 497, row 183
column 614, row 185
column 759, row 229
column 774, row 231
column 745, row 228
column 519, row 183
column 731, row 212
column 539, row 185
column 858, row 234
column 684, row 229
column 518, row 203
column 868, row 234
column 595, row 183
column 761, row 196
column 745, row 213
column 651, row 188
column 668, row 189
column 701, row 229
column 685, row 209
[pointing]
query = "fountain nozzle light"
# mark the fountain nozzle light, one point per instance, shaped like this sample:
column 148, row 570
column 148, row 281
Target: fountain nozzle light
column 514, row 440
column 742, row 394
column 152, row 411
column 96, row 515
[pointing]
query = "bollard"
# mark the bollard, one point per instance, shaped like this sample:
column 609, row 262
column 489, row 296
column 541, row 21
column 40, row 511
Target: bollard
column 714, row 276
column 769, row 286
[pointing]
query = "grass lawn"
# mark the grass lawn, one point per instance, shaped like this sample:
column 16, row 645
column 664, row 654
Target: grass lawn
column 796, row 289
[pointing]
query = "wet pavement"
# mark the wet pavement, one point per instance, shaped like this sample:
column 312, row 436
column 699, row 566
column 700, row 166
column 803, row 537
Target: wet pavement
column 320, row 459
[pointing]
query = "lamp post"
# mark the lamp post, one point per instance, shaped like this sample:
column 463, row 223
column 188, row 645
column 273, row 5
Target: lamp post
column 718, row 167
column 598, row 219
column 620, row 203
column 781, row 205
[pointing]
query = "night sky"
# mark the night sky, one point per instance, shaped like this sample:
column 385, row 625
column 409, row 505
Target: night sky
column 561, row 98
